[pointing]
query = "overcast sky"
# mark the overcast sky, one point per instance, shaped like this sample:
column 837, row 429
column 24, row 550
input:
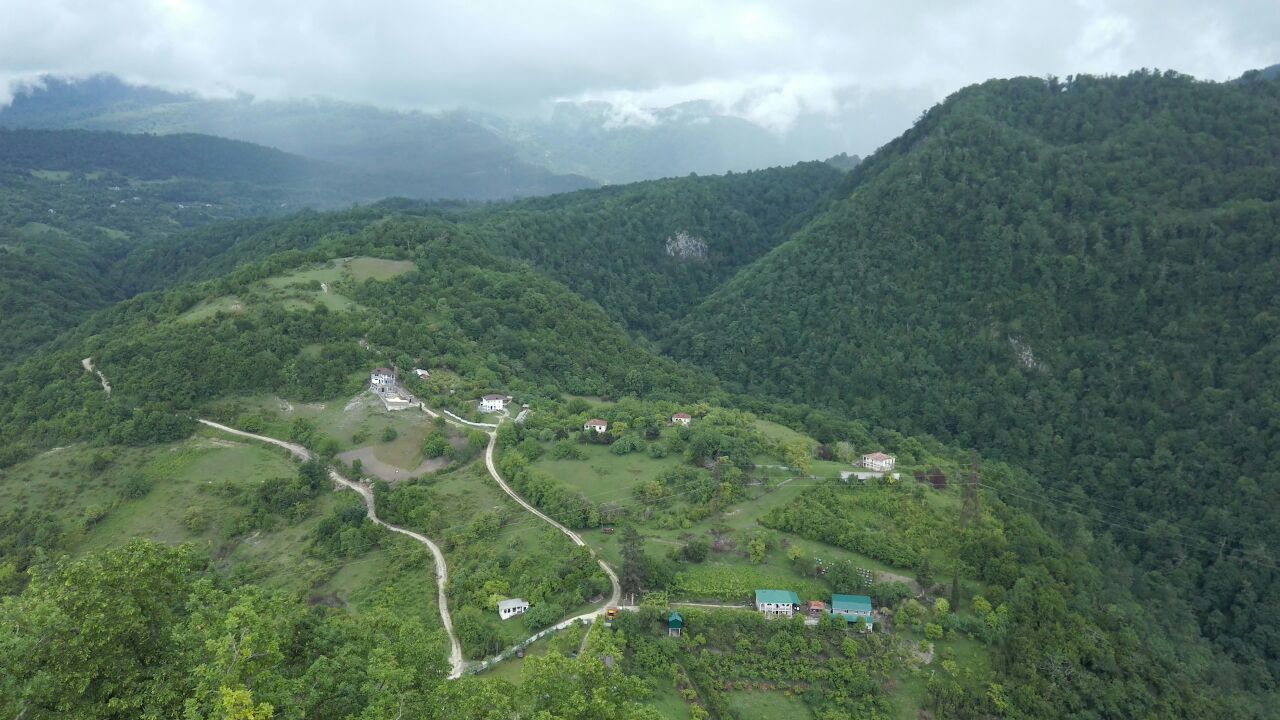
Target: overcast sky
column 768, row 61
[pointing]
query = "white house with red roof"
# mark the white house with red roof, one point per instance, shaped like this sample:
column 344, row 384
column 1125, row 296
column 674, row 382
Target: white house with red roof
column 879, row 461
column 681, row 419
column 595, row 424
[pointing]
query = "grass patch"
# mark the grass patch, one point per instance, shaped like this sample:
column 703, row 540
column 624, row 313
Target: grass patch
column 209, row 308
column 51, row 175
column 761, row 705
column 367, row 268
column 603, row 476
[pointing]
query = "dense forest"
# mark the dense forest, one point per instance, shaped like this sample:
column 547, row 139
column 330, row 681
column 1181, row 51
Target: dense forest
column 1073, row 277
column 1078, row 276
column 648, row 252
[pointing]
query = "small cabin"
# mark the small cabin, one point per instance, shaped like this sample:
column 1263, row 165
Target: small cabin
column 511, row 608
column 681, row 419
column 422, row 374
column 675, row 624
column 595, row 424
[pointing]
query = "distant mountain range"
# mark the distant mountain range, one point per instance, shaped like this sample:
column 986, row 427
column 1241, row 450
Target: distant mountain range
column 457, row 154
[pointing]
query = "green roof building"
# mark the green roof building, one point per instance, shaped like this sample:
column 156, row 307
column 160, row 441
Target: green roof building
column 777, row 602
column 852, row 608
column 675, row 623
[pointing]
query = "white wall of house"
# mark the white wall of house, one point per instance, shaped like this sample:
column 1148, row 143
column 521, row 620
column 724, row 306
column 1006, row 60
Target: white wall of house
column 786, row 609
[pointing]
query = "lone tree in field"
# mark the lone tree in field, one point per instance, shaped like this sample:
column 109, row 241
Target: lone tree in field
column 634, row 564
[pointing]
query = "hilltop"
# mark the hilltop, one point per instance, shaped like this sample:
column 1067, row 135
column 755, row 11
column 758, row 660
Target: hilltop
column 1074, row 275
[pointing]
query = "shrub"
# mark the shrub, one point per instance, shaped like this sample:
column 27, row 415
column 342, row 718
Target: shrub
column 435, row 445
column 389, row 434
column 195, row 520
column 136, row 486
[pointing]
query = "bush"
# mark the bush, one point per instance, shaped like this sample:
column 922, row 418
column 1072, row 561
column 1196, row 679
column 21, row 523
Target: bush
column 567, row 450
column 389, row 434
column 195, row 520
column 543, row 615
column 94, row 514
column 136, row 486
column 435, row 445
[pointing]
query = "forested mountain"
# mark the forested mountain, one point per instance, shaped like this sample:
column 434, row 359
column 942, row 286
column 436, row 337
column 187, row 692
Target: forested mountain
column 1079, row 276
column 647, row 252
column 410, row 154
column 74, row 203
column 459, row 154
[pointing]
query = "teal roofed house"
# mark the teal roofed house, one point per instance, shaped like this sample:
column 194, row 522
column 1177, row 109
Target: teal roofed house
column 777, row 602
column 675, row 624
column 853, row 608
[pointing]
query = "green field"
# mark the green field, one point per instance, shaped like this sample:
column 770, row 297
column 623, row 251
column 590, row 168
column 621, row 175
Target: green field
column 209, row 308
column 208, row 472
column 761, row 705
column 461, row 495
column 367, row 268
column 603, row 476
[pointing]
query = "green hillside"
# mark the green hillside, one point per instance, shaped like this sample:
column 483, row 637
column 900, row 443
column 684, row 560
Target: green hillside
column 648, row 252
column 1055, row 299
column 1078, row 277
column 73, row 204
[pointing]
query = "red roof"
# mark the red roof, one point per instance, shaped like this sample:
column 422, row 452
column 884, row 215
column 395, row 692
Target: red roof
column 682, row 416
column 495, row 397
column 381, row 371
column 597, row 422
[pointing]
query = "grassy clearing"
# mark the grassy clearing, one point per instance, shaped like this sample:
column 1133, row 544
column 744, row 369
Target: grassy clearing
column 468, row 492
column 211, row 473
column 52, row 175
column 367, row 268
column 667, row 702
column 761, row 705
column 605, row 475
column 34, row 230
column 209, row 308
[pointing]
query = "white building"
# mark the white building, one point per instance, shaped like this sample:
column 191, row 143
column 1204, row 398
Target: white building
column 681, row 419
column 596, row 424
column 422, row 374
column 493, row 403
column 381, row 380
column 511, row 608
column 777, row 602
column 879, row 461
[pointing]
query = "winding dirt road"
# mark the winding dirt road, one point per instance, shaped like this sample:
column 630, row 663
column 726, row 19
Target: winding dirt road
column 456, row 662
column 616, row 594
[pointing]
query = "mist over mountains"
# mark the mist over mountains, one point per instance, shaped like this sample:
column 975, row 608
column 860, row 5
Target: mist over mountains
column 461, row 154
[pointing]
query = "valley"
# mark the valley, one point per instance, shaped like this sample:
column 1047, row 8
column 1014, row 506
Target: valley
column 977, row 428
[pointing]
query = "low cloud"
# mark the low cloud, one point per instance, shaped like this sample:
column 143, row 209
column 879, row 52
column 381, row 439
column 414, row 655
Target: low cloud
column 768, row 62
